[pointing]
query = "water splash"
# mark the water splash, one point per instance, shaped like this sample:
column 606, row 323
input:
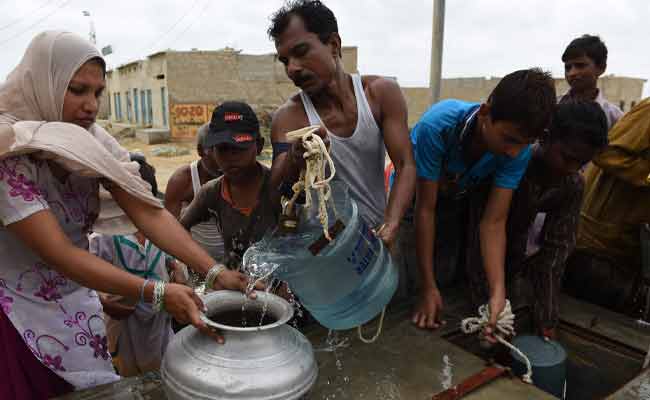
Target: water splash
column 297, row 307
column 275, row 283
column 447, row 374
column 333, row 342
column 339, row 382
column 256, row 273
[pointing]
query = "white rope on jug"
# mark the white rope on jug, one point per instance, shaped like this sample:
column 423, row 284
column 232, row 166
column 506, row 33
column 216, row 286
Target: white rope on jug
column 317, row 157
column 377, row 334
column 505, row 327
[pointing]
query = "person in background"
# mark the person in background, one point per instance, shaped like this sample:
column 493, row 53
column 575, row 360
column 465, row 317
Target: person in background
column 242, row 201
column 585, row 60
column 137, row 335
column 551, row 192
column 52, row 334
column 459, row 145
column 363, row 117
column 606, row 266
column 185, row 183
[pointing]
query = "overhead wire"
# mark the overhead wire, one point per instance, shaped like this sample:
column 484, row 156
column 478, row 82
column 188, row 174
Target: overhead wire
column 58, row 8
column 178, row 21
column 202, row 11
column 24, row 16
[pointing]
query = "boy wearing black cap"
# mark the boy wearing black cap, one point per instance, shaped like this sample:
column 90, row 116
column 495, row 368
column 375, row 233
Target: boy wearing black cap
column 242, row 201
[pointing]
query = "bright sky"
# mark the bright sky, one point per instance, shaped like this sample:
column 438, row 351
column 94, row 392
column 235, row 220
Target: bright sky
column 482, row 37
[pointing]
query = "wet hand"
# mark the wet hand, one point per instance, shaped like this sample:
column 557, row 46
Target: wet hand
column 235, row 280
column 186, row 307
column 428, row 311
column 178, row 272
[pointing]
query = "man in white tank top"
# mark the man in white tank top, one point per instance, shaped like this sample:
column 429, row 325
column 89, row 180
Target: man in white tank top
column 185, row 183
column 362, row 116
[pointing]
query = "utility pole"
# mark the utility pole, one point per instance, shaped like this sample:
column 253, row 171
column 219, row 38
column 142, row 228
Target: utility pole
column 92, row 36
column 437, row 40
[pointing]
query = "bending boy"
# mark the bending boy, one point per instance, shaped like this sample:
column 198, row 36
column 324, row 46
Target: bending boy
column 458, row 145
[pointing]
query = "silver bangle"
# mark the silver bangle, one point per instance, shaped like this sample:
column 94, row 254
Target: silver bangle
column 158, row 296
column 212, row 275
column 144, row 285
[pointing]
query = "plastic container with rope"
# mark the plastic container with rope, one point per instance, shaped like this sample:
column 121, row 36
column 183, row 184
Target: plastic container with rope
column 343, row 282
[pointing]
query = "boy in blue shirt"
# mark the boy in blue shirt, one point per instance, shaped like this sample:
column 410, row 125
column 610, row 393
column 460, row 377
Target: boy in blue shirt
column 458, row 145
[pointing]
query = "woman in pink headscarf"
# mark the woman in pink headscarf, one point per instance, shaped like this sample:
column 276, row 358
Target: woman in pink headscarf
column 53, row 161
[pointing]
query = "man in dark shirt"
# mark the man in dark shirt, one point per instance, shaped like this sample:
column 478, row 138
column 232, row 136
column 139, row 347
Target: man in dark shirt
column 545, row 210
column 242, row 201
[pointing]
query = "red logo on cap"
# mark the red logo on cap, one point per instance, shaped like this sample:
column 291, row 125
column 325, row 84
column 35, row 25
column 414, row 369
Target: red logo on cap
column 243, row 137
column 231, row 116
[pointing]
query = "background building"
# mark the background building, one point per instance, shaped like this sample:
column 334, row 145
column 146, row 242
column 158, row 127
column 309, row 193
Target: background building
column 176, row 91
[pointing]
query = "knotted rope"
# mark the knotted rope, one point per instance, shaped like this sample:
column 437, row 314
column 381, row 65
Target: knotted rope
column 505, row 328
column 317, row 157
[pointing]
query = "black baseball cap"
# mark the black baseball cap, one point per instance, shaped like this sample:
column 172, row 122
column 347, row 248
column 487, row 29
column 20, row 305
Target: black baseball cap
column 233, row 123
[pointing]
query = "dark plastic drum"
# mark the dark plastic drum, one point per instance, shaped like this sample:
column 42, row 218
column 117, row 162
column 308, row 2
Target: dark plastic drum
column 548, row 359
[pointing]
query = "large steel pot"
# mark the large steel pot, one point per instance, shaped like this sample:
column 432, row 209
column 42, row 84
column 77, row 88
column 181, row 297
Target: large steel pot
column 272, row 361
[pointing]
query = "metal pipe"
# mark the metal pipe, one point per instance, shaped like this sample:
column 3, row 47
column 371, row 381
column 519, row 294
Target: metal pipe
column 437, row 36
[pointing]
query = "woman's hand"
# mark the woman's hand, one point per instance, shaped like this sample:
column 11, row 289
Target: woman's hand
column 234, row 280
column 186, row 307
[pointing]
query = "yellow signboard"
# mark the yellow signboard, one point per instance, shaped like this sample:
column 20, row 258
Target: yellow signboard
column 187, row 118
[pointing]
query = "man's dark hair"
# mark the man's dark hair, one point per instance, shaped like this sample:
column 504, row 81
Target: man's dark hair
column 587, row 45
column 147, row 171
column 582, row 121
column 315, row 15
column 525, row 98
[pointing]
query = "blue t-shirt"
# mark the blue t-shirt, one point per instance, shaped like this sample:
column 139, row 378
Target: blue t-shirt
column 437, row 141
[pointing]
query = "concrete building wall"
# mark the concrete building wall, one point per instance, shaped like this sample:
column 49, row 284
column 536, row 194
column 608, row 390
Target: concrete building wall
column 625, row 92
column 200, row 80
column 195, row 82
column 145, row 75
column 104, row 106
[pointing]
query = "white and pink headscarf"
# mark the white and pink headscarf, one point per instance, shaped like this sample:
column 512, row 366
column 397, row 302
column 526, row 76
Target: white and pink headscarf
column 31, row 109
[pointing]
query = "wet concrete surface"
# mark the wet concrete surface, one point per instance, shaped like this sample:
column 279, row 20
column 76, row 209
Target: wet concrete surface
column 405, row 363
column 605, row 351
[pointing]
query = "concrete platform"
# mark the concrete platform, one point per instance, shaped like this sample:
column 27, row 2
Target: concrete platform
column 153, row 136
column 405, row 363
column 409, row 364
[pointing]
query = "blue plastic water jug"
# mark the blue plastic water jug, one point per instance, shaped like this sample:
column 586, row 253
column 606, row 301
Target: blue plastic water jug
column 349, row 281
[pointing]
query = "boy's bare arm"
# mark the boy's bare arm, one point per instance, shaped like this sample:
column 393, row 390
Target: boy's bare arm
column 493, row 247
column 177, row 191
column 428, row 309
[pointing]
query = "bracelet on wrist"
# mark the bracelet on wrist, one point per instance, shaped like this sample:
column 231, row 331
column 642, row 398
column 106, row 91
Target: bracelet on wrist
column 212, row 275
column 158, row 303
column 144, row 285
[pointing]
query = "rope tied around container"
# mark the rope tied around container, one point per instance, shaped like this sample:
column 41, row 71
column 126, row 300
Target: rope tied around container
column 377, row 334
column 317, row 158
column 505, row 327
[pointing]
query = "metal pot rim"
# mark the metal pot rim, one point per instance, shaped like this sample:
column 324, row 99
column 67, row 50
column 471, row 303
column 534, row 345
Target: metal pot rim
column 277, row 306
